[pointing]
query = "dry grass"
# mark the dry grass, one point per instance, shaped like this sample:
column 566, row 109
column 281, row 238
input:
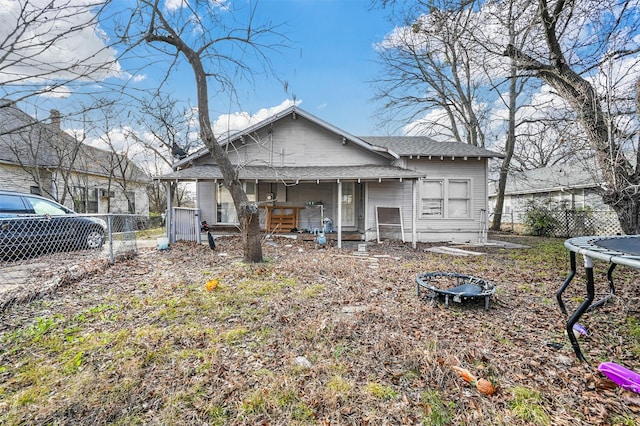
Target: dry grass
column 313, row 336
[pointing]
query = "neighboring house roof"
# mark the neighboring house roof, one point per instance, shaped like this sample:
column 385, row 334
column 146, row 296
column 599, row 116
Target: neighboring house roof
column 294, row 174
column 25, row 141
column 549, row 179
column 408, row 146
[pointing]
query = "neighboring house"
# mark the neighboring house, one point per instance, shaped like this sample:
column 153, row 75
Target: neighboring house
column 308, row 174
column 42, row 159
column 572, row 187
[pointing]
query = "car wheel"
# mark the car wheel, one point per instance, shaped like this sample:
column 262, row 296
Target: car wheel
column 94, row 239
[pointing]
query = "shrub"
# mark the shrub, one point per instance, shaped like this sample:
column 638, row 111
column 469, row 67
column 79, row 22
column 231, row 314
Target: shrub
column 539, row 220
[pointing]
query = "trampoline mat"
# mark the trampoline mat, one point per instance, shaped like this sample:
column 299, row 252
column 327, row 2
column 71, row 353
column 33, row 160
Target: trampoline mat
column 627, row 245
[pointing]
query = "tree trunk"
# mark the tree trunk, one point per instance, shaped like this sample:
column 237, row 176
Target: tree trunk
column 510, row 142
column 249, row 218
column 247, row 212
column 617, row 172
column 627, row 207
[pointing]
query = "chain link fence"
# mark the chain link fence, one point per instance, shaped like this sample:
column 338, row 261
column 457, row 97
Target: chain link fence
column 40, row 253
column 569, row 223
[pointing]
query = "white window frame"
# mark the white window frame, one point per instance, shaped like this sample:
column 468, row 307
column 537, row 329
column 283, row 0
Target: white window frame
column 458, row 199
column 429, row 202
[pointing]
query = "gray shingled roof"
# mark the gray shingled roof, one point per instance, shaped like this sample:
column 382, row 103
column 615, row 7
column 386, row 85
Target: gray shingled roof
column 424, row 146
column 292, row 174
column 29, row 142
column 551, row 178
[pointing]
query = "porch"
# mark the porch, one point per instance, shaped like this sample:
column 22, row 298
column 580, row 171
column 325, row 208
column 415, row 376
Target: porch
column 185, row 225
column 342, row 201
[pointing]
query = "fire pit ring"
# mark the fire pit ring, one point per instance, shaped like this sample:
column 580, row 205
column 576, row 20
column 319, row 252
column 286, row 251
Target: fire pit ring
column 457, row 286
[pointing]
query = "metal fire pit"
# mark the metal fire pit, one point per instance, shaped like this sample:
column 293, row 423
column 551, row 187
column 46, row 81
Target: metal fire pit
column 452, row 285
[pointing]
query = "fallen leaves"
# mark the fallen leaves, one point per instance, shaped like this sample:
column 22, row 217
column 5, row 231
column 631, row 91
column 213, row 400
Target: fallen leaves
column 354, row 324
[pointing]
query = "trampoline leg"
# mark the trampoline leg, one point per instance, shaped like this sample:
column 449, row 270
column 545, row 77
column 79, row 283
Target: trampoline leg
column 612, row 289
column 446, row 300
column 582, row 308
column 567, row 281
column 486, row 303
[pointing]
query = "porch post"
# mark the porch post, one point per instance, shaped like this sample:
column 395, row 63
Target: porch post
column 168, row 218
column 413, row 214
column 198, row 217
column 339, row 214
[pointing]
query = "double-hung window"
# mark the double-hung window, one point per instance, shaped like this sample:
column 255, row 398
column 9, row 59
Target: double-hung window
column 445, row 198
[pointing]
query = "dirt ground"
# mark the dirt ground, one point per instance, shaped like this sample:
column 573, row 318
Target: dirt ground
column 315, row 335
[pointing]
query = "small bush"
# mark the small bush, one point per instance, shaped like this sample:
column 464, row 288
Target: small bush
column 539, row 220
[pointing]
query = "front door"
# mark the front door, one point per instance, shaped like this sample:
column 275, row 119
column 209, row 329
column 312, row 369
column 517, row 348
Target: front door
column 348, row 204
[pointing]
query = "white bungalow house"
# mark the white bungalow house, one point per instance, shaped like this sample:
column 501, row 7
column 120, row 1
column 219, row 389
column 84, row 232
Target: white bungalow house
column 40, row 158
column 308, row 175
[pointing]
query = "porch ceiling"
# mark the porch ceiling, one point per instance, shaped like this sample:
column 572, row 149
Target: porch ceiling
column 297, row 174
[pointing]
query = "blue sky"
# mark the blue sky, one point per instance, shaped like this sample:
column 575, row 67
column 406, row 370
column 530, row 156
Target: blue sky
column 331, row 61
column 328, row 64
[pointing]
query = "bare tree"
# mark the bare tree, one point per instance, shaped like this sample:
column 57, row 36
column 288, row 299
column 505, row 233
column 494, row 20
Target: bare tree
column 113, row 158
column 168, row 128
column 578, row 43
column 196, row 32
column 37, row 54
column 429, row 66
column 447, row 61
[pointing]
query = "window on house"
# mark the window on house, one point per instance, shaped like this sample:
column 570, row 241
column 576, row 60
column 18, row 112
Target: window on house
column 459, row 200
column 131, row 202
column 250, row 189
column 92, row 203
column 35, row 190
column 445, row 198
column 225, row 209
column 432, row 200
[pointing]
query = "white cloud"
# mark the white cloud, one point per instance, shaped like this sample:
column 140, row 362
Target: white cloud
column 139, row 77
column 228, row 124
column 173, row 5
column 56, row 92
column 75, row 46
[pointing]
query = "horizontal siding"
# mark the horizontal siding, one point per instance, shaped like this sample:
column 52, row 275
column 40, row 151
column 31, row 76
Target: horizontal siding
column 456, row 229
column 206, row 191
column 400, row 194
column 389, row 194
column 297, row 143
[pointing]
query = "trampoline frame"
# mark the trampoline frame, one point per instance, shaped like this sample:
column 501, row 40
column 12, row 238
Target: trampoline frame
column 588, row 248
column 459, row 292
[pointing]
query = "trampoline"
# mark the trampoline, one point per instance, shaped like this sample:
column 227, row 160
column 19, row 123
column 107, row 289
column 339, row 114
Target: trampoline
column 458, row 287
column 617, row 250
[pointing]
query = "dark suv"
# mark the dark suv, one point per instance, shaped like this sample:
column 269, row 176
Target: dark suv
column 31, row 225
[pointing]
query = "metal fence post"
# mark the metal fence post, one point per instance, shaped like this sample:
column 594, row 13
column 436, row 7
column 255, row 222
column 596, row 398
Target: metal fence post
column 110, row 232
